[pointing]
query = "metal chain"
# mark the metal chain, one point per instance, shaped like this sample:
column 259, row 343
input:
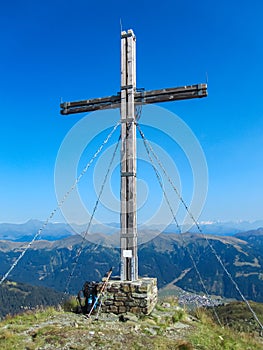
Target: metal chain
column 59, row 204
column 200, row 230
column 177, row 224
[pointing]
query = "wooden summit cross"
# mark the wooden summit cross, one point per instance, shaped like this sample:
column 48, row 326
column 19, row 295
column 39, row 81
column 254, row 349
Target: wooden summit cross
column 126, row 100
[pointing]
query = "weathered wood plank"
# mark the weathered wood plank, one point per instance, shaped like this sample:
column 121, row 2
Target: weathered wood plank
column 140, row 98
column 128, row 238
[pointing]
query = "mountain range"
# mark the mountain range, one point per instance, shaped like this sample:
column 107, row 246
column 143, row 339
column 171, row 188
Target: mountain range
column 54, row 231
column 169, row 257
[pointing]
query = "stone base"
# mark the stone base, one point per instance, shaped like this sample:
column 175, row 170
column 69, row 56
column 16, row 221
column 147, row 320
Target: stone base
column 138, row 297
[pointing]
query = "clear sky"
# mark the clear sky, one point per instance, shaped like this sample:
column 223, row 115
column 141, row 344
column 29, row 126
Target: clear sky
column 71, row 50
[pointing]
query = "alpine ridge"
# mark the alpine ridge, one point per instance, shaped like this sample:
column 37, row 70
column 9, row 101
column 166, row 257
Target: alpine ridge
column 165, row 256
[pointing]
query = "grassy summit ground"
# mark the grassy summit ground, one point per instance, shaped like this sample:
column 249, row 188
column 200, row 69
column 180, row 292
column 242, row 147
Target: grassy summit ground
column 168, row 327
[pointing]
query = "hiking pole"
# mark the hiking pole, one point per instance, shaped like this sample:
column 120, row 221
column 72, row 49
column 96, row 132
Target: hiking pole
column 102, row 295
column 99, row 308
column 101, row 291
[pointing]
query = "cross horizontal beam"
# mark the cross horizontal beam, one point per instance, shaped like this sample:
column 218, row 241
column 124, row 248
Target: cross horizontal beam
column 140, row 98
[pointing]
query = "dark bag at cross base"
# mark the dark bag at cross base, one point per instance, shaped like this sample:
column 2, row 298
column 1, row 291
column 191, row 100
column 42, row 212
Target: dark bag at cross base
column 90, row 295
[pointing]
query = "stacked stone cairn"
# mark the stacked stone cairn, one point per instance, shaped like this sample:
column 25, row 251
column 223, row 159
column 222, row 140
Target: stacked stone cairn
column 138, row 297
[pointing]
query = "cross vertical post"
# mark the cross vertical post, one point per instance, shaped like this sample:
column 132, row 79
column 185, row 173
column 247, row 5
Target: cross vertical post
column 128, row 214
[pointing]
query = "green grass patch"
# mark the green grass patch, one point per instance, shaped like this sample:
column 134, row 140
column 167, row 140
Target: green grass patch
column 237, row 315
column 12, row 329
column 159, row 331
column 209, row 335
column 71, row 305
column 29, row 317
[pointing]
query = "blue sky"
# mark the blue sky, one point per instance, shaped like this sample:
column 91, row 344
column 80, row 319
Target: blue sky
column 70, row 50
